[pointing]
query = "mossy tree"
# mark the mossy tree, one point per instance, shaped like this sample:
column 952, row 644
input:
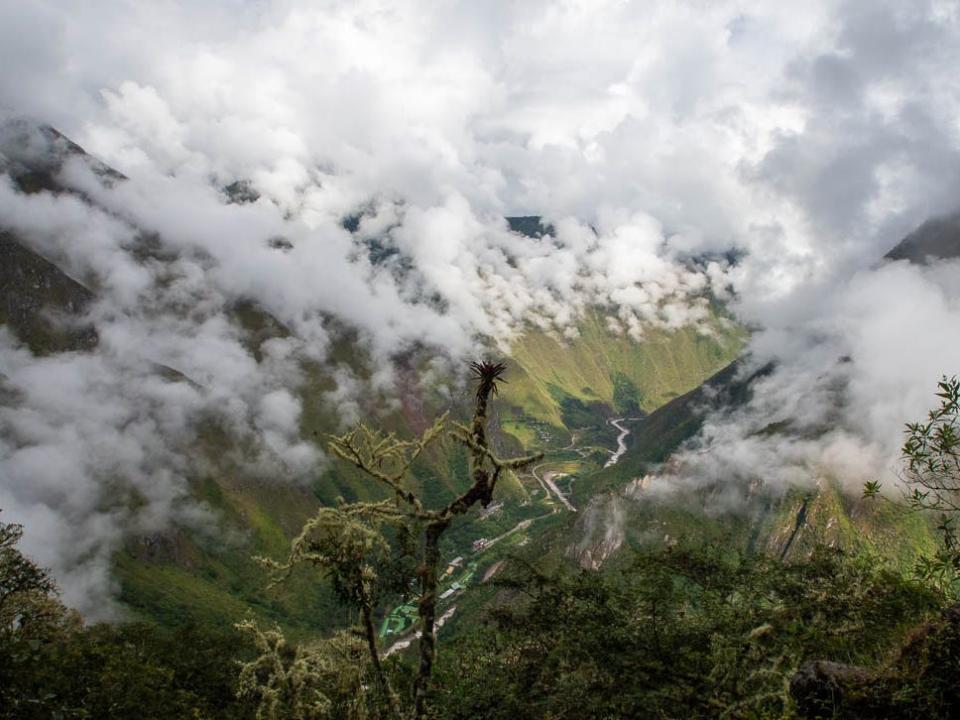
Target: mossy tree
column 364, row 548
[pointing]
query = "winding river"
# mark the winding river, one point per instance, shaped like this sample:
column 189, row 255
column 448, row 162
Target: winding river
column 621, row 444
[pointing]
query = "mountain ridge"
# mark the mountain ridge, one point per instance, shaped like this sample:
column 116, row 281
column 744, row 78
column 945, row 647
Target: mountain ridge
column 177, row 574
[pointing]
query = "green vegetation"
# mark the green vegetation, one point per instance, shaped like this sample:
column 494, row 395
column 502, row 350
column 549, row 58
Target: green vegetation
column 688, row 631
column 351, row 545
column 683, row 632
column 603, row 366
column 627, row 398
column 52, row 666
column 931, row 455
column 122, row 672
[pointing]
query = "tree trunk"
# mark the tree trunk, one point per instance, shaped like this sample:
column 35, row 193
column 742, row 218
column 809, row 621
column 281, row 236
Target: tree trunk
column 382, row 680
column 427, row 609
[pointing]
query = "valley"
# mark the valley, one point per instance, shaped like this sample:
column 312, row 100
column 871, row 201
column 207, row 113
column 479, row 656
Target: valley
column 611, row 413
column 398, row 627
column 562, row 397
column 479, row 361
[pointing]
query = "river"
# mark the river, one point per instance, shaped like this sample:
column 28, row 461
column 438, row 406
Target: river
column 621, row 444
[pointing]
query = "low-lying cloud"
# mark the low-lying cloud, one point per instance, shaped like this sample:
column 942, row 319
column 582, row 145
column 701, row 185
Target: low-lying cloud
column 653, row 138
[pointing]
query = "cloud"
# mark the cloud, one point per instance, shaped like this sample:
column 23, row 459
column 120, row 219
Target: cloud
column 845, row 382
column 651, row 136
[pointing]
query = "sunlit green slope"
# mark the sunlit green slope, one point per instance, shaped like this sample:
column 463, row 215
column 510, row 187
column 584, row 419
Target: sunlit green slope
column 550, row 383
column 570, row 383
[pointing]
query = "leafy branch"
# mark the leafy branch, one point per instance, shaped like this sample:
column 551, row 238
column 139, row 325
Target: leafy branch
column 931, row 481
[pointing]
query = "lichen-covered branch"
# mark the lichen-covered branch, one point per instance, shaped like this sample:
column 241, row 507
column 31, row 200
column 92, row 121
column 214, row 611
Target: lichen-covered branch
column 348, row 542
column 323, row 680
column 483, row 483
column 384, row 457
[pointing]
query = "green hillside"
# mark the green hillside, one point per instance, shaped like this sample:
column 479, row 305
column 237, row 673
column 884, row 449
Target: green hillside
column 625, row 505
column 220, row 583
column 560, row 396
column 569, row 384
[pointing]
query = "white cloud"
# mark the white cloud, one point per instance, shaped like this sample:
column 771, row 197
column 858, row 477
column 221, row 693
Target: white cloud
column 646, row 133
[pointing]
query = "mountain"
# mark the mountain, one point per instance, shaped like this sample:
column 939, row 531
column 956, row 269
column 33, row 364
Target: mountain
column 634, row 503
column 631, row 504
column 559, row 390
column 578, row 398
column 936, row 238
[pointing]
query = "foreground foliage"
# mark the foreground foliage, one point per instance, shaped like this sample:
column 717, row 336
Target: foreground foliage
column 52, row 666
column 687, row 632
column 692, row 633
column 931, row 482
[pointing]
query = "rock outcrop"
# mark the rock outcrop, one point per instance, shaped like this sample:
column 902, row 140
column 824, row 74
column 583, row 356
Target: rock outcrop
column 923, row 681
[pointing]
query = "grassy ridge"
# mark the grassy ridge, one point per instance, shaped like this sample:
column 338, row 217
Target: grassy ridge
column 589, row 367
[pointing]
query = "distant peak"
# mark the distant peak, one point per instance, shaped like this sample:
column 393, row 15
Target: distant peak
column 937, row 238
column 530, row 225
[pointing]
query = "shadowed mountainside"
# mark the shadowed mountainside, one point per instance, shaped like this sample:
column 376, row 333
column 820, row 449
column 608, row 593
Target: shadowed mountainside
column 936, row 238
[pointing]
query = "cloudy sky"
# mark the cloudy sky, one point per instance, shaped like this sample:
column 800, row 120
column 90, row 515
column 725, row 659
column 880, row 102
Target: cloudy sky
column 811, row 138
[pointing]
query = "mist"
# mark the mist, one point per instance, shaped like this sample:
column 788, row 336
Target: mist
column 659, row 141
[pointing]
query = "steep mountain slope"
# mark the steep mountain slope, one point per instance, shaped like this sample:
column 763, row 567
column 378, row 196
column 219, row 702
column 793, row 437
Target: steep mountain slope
column 554, row 378
column 40, row 303
column 936, row 238
column 634, row 502
column 178, row 574
column 637, row 502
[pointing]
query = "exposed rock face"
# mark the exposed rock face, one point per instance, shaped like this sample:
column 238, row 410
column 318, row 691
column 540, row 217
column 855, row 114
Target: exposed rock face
column 922, row 682
column 42, row 304
column 33, row 156
column 601, row 531
column 938, row 238
column 167, row 547
column 635, row 487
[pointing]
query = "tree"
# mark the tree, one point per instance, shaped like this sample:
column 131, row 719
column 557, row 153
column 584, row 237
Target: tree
column 932, row 453
column 27, row 592
column 931, row 477
column 303, row 683
column 351, row 542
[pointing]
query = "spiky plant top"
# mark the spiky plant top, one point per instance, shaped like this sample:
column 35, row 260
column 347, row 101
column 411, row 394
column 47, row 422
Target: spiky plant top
column 487, row 374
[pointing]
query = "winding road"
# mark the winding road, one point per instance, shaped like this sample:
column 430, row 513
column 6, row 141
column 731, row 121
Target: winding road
column 549, row 486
